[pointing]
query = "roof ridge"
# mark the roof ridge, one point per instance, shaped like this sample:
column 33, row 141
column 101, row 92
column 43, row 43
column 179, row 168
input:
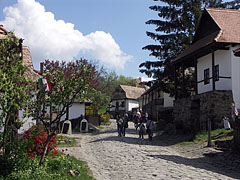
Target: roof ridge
column 223, row 9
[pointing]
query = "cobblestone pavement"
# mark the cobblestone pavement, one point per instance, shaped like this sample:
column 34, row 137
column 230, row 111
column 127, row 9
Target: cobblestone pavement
column 121, row 158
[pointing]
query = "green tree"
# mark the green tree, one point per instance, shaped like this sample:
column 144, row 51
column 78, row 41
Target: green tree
column 15, row 88
column 69, row 81
column 106, row 83
column 175, row 27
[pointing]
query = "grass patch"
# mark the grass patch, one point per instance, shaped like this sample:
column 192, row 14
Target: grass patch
column 65, row 141
column 100, row 127
column 218, row 134
column 56, row 168
column 105, row 123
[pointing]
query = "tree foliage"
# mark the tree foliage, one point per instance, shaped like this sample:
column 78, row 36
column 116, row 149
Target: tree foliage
column 106, row 83
column 175, row 27
column 15, row 88
column 69, row 82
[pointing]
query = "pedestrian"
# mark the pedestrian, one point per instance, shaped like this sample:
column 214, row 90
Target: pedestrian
column 150, row 126
column 142, row 130
column 119, row 125
column 234, row 112
column 136, row 119
column 125, row 124
column 146, row 116
column 226, row 123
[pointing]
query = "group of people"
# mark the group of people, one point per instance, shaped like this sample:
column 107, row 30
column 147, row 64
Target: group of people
column 122, row 124
column 139, row 122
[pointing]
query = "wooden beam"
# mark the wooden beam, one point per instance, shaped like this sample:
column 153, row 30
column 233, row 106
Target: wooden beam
column 213, row 71
column 195, row 76
column 175, row 82
column 183, row 79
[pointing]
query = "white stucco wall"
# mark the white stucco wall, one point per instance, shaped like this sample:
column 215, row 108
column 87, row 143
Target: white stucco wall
column 132, row 104
column 75, row 111
column 113, row 103
column 168, row 101
column 235, row 65
column 223, row 59
column 27, row 123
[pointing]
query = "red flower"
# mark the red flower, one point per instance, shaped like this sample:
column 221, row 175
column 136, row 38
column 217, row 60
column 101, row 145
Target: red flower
column 62, row 150
column 52, row 157
column 54, row 152
column 27, row 132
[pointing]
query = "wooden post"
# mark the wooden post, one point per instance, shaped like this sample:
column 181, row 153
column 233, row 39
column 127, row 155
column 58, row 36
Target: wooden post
column 213, row 70
column 183, row 80
column 195, row 75
column 175, row 83
column 209, row 132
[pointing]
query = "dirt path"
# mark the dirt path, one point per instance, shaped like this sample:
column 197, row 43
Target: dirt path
column 116, row 158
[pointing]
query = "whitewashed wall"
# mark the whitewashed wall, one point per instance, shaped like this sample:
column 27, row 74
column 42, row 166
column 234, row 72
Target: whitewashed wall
column 168, row 101
column 235, row 62
column 132, row 104
column 223, row 59
column 119, row 107
column 27, row 123
column 76, row 110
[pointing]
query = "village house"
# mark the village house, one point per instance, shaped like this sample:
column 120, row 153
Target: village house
column 216, row 72
column 76, row 110
column 30, row 73
column 155, row 102
column 125, row 99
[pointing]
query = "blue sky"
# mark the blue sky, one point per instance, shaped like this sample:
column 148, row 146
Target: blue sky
column 111, row 31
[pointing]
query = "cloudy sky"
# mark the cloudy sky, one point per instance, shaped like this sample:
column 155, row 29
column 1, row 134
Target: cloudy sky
column 112, row 32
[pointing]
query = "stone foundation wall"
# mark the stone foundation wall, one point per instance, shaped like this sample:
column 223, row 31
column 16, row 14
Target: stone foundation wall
column 215, row 105
column 192, row 113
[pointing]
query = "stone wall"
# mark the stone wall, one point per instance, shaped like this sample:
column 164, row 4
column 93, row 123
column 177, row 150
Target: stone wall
column 192, row 113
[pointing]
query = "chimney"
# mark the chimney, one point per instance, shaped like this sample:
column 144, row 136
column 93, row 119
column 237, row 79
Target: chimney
column 138, row 82
column 41, row 68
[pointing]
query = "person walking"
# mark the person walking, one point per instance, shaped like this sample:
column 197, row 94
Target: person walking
column 142, row 130
column 119, row 125
column 150, row 127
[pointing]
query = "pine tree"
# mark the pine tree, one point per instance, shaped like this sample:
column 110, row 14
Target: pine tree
column 174, row 32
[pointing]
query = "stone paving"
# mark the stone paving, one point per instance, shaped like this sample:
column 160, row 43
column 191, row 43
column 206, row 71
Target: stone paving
column 121, row 158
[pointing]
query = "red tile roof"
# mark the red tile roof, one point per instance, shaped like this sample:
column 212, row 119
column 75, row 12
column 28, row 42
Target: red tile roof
column 228, row 20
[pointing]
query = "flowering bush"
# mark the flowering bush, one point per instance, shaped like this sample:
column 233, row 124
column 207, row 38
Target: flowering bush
column 35, row 139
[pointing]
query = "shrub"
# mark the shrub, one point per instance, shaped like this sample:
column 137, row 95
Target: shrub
column 35, row 139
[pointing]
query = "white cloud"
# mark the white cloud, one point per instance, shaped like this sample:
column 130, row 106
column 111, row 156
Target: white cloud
column 53, row 39
column 145, row 79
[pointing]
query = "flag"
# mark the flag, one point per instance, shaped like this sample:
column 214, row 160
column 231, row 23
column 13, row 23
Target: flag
column 44, row 84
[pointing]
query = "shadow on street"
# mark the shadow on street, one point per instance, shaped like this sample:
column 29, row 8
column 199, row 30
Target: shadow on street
column 218, row 163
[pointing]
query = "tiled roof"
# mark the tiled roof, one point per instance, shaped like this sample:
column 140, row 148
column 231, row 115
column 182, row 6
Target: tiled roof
column 3, row 32
column 228, row 20
column 27, row 60
column 132, row 92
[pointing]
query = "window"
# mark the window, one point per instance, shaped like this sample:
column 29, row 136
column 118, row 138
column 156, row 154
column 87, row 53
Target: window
column 123, row 104
column 117, row 105
column 216, row 73
column 206, row 76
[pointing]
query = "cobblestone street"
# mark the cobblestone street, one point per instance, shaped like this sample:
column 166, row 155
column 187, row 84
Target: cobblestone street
column 116, row 158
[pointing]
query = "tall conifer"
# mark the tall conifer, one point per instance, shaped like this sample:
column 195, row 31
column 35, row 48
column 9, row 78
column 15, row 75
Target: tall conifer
column 175, row 27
